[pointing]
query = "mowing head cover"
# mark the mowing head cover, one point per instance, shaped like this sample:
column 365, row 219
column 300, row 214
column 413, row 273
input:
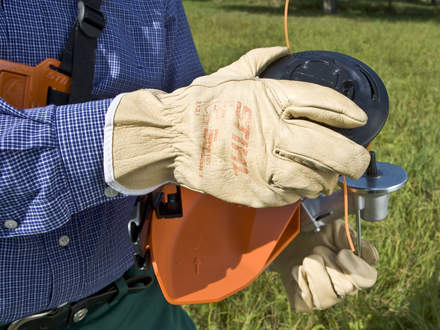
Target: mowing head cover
column 345, row 74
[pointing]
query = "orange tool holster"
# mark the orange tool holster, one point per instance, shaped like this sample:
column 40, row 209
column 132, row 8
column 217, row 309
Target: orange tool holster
column 24, row 86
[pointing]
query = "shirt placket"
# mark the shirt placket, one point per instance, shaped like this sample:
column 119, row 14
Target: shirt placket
column 67, row 262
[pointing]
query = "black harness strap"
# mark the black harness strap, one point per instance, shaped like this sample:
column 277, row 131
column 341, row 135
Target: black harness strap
column 78, row 59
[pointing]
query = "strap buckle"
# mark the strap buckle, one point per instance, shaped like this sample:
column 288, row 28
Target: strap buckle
column 79, row 309
column 91, row 20
column 70, row 313
column 138, row 230
column 17, row 324
column 171, row 207
column 52, row 314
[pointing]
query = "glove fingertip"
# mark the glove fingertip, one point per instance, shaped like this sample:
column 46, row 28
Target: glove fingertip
column 362, row 274
column 370, row 253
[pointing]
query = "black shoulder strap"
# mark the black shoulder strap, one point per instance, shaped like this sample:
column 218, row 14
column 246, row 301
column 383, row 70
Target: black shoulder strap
column 78, row 59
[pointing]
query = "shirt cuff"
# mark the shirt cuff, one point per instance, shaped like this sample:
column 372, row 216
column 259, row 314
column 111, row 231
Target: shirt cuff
column 80, row 130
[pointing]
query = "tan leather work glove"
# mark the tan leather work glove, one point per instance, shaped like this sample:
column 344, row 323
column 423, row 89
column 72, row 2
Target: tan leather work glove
column 235, row 136
column 318, row 269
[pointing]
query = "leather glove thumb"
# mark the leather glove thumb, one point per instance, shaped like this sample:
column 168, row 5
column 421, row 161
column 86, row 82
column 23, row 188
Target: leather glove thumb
column 323, row 270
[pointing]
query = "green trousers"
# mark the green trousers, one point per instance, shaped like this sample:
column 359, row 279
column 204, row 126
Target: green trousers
column 143, row 310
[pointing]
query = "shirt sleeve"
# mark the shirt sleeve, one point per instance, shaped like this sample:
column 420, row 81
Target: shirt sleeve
column 51, row 165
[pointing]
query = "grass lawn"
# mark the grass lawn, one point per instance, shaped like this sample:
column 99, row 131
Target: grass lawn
column 403, row 46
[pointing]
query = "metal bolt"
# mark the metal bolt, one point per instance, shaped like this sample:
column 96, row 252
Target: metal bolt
column 80, row 315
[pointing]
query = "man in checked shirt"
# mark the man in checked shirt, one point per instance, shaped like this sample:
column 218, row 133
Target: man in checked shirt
column 63, row 229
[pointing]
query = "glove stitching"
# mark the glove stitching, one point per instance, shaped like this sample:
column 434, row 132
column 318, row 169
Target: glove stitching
column 305, row 122
column 271, row 182
column 302, row 159
column 219, row 83
column 335, row 111
column 276, row 101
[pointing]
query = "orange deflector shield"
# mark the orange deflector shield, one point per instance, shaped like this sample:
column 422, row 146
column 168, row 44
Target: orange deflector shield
column 217, row 248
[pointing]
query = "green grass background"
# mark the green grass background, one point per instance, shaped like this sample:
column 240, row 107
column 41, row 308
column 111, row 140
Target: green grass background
column 402, row 44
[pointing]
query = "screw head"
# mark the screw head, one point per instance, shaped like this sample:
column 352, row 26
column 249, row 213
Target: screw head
column 80, row 315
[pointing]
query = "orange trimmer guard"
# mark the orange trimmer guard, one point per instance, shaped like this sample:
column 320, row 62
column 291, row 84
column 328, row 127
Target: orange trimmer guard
column 217, row 248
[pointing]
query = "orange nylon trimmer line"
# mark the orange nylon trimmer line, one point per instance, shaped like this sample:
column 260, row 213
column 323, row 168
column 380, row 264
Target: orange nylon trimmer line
column 286, row 14
column 347, row 227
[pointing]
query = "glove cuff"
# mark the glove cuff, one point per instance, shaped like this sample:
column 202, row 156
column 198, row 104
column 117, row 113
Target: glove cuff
column 138, row 156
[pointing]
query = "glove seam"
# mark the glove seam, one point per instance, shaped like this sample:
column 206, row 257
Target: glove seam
column 274, row 97
column 238, row 79
column 301, row 159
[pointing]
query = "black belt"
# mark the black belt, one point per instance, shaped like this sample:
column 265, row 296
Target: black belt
column 67, row 314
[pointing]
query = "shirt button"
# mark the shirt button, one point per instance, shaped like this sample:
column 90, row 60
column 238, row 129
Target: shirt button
column 63, row 240
column 10, row 224
column 110, row 192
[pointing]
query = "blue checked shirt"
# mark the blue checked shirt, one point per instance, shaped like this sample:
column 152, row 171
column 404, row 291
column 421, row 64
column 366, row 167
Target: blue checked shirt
column 61, row 236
